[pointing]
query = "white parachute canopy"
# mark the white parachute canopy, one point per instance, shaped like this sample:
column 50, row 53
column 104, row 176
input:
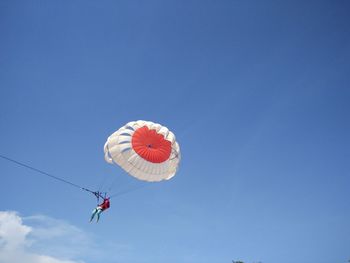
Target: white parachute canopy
column 145, row 150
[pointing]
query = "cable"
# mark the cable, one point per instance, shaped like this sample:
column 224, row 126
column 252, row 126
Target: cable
column 96, row 193
column 45, row 173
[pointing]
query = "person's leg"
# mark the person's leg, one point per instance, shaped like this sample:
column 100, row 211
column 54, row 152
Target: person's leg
column 93, row 214
column 98, row 214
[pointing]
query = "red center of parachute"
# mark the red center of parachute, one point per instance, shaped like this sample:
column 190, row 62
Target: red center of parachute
column 150, row 145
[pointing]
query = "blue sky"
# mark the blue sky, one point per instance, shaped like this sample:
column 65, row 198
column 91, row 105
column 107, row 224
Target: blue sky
column 257, row 93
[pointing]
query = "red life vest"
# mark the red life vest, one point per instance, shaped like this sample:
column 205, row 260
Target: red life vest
column 105, row 205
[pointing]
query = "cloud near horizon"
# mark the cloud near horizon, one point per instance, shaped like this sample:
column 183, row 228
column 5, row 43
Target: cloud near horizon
column 23, row 243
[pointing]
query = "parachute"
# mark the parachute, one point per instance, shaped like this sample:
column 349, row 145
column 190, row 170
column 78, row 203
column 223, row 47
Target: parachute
column 147, row 151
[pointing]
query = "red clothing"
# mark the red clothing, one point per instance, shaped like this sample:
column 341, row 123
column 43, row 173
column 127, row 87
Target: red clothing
column 105, row 205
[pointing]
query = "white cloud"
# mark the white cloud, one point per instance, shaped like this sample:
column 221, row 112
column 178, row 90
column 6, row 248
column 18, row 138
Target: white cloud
column 18, row 241
column 57, row 237
column 42, row 239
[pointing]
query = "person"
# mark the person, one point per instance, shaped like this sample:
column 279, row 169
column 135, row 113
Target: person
column 100, row 208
